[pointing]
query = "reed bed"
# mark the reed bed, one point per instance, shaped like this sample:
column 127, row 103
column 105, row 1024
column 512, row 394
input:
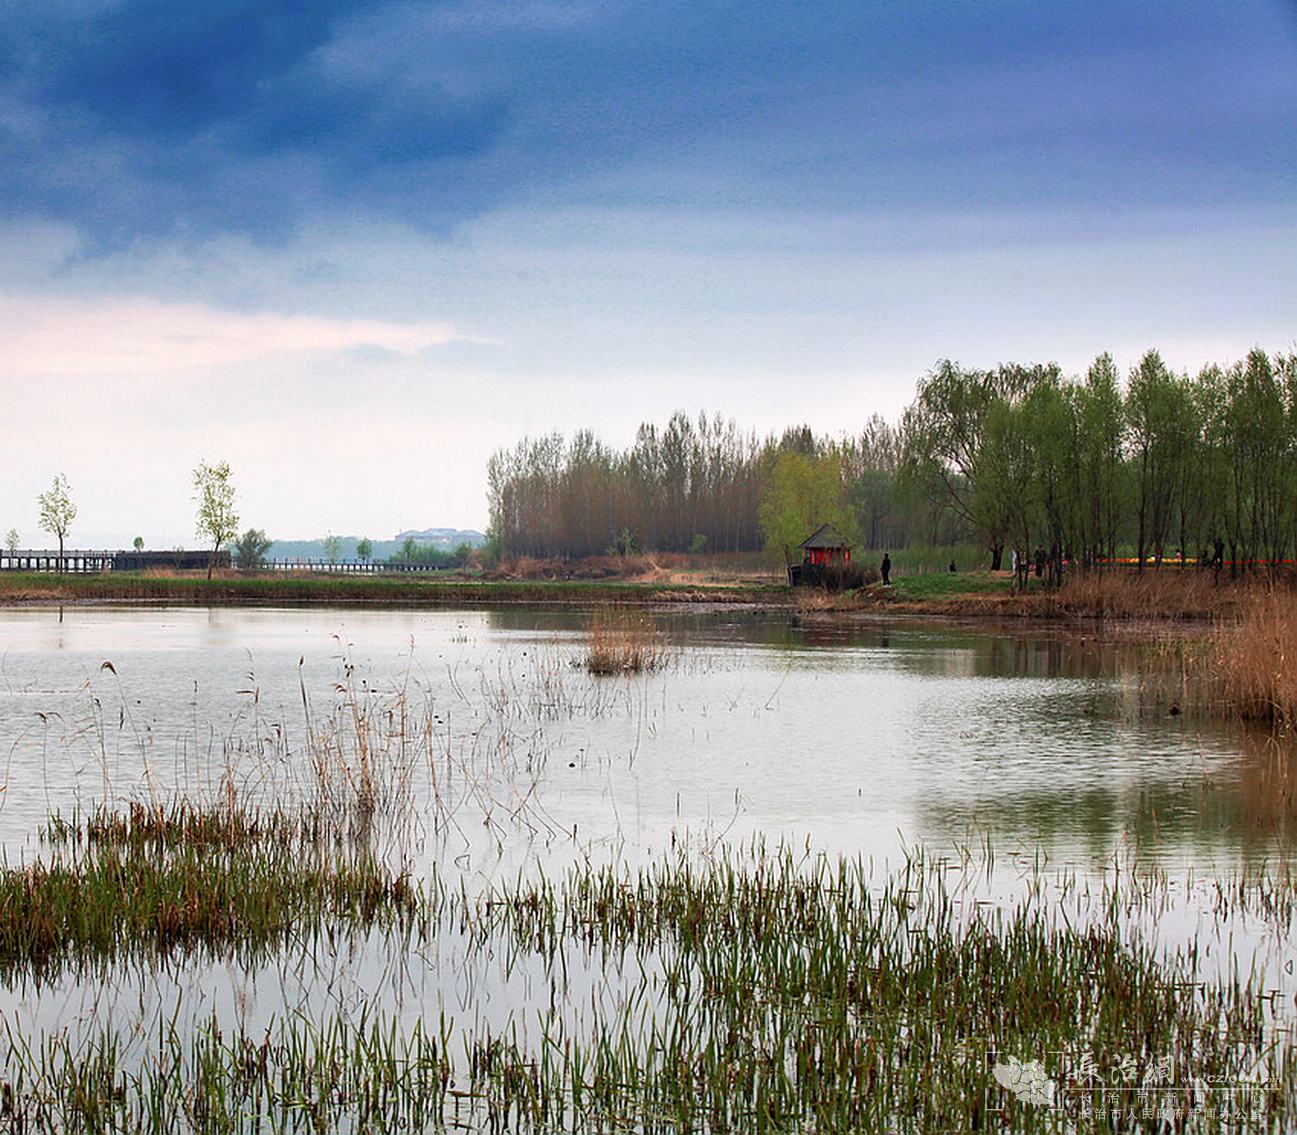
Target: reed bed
column 621, row 640
column 1166, row 593
column 154, row 881
column 747, row 993
column 797, row 997
column 1255, row 660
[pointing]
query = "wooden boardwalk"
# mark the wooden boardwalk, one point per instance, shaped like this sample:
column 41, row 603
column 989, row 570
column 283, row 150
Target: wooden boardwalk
column 81, row 561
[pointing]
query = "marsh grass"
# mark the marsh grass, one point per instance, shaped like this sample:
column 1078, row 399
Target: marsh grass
column 1244, row 670
column 371, row 591
column 622, row 640
column 154, row 881
column 296, row 1076
column 746, row 993
column 1255, row 660
column 800, row 995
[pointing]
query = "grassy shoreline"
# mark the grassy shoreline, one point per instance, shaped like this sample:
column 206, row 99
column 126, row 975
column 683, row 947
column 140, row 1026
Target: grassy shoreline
column 20, row 588
column 1125, row 596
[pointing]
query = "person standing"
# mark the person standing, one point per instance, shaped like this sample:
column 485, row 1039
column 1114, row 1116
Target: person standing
column 887, row 570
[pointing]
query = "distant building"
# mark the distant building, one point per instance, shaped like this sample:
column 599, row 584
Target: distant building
column 825, row 554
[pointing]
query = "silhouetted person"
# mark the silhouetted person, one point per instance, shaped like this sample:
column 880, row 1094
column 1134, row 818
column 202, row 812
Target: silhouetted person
column 887, row 569
column 1040, row 562
column 952, row 567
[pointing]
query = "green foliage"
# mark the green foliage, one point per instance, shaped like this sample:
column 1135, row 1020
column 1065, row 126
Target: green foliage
column 698, row 544
column 489, row 553
column 138, row 543
column 364, row 549
column 57, row 510
column 332, row 548
column 412, row 552
column 626, row 544
column 11, row 540
column 217, row 520
column 1015, row 457
column 251, row 548
column 801, row 493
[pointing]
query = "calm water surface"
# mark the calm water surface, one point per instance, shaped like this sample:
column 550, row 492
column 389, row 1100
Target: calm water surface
column 857, row 736
column 842, row 736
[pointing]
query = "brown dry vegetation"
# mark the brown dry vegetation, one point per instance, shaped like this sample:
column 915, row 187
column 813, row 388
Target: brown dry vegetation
column 672, row 568
column 1119, row 595
column 1254, row 659
column 621, row 640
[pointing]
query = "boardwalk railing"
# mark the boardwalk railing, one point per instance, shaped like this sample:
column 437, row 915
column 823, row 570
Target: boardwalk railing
column 81, row 561
column 349, row 567
column 77, row 560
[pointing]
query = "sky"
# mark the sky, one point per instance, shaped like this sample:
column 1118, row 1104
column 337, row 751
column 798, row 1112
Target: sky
column 353, row 248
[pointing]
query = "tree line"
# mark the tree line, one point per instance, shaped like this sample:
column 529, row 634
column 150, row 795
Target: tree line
column 1157, row 464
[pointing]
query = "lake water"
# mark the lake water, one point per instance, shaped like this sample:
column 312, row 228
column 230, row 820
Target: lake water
column 843, row 735
column 856, row 735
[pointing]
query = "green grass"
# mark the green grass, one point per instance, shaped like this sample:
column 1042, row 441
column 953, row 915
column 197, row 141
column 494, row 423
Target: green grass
column 154, row 882
column 761, row 993
column 929, row 559
column 941, row 585
column 352, row 590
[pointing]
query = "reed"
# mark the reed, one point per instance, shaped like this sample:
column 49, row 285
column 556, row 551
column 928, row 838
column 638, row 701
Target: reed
column 750, row 992
column 1254, row 660
column 160, row 879
column 621, row 640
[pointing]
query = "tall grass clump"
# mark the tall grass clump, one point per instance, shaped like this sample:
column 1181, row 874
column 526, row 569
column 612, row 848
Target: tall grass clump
column 621, row 640
column 182, row 877
column 1157, row 593
column 1255, row 660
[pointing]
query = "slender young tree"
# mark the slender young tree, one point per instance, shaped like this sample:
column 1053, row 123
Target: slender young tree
column 57, row 511
column 217, row 520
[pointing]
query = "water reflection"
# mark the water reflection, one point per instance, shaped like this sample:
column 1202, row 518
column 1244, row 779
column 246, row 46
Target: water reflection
column 854, row 732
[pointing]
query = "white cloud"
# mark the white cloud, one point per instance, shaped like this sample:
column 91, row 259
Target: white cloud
column 43, row 335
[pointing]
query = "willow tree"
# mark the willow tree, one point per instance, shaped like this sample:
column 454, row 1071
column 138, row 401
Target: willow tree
column 947, row 458
column 800, row 494
column 1100, row 462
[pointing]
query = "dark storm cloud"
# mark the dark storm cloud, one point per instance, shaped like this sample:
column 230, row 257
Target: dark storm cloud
column 146, row 116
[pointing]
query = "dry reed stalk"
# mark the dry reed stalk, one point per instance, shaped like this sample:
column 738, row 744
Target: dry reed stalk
column 1156, row 594
column 1256, row 659
column 622, row 641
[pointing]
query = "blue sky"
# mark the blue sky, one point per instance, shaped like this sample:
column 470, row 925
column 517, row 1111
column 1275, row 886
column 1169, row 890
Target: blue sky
column 353, row 247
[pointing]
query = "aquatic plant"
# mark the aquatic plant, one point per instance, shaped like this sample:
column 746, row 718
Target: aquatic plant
column 156, row 880
column 1254, row 661
column 757, row 992
column 620, row 640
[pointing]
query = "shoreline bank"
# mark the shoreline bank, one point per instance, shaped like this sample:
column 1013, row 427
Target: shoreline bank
column 981, row 595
